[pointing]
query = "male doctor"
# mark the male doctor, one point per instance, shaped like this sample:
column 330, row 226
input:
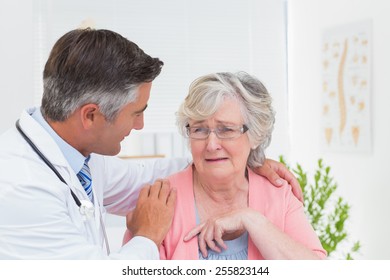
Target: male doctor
column 58, row 173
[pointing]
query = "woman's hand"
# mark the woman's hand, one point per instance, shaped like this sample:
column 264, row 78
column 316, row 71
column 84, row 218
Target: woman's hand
column 214, row 231
column 275, row 171
column 273, row 243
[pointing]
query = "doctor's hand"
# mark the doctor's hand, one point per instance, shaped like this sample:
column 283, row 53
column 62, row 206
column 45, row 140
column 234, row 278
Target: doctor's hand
column 275, row 171
column 152, row 217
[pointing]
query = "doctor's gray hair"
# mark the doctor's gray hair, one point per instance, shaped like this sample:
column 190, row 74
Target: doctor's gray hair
column 94, row 66
column 207, row 94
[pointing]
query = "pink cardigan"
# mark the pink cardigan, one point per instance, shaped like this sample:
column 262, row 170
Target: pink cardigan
column 279, row 205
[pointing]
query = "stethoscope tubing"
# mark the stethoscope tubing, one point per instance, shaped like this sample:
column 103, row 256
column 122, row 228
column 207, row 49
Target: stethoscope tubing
column 48, row 163
column 51, row 166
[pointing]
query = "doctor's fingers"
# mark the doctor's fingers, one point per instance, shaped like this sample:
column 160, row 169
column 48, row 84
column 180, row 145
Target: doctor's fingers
column 150, row 190
column 171, row 199
column 167, row 195
column 160, row 189
column 165, row 190
column 144, row 193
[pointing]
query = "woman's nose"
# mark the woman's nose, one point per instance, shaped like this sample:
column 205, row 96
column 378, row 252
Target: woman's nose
column 213, row 142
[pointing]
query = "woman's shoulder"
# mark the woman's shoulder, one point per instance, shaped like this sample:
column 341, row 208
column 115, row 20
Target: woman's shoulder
column 182, row 180
column 182, row 174
column 262, row 185
column 273, row 202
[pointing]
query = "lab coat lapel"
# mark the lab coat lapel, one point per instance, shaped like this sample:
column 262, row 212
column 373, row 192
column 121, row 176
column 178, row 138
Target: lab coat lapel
column 51, row 151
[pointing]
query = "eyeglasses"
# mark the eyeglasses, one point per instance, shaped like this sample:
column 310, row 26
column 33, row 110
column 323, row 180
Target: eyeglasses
column 222, row 132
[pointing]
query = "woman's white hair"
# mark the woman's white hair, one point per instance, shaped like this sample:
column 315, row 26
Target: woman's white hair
column 207, row 94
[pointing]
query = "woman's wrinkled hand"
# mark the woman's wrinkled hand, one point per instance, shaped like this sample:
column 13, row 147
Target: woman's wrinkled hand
column 214, row 231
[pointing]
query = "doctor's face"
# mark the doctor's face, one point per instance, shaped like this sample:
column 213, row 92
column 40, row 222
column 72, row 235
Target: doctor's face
column 111, row 134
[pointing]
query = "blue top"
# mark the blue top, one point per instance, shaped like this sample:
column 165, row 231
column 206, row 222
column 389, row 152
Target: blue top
column 237, row 249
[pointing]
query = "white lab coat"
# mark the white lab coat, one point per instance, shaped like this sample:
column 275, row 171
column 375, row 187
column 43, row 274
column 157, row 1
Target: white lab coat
column 39, row 218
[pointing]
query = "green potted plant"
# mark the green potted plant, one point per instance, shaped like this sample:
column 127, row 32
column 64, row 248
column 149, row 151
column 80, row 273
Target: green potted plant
column 327, row 213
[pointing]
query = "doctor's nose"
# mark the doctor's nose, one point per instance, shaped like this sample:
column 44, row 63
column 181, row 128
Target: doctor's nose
column 139, row 122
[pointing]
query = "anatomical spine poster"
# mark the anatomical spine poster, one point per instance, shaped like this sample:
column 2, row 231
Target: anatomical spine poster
column 346, row 88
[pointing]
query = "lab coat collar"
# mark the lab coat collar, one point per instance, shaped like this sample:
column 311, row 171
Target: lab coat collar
column 73, row 157
column 49, row 148
column 41, row 138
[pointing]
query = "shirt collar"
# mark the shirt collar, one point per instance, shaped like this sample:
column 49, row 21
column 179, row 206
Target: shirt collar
column 74, row 157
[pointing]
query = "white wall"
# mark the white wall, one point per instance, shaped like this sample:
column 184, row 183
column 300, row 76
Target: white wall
column 361, row 177
column 16, row 53
column 191, row 37
column 230, row 35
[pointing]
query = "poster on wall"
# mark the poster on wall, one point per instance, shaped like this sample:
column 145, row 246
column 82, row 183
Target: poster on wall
column 346, row 88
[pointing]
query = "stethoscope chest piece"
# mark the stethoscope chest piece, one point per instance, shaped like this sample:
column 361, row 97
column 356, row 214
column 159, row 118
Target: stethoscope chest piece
column 87, row 210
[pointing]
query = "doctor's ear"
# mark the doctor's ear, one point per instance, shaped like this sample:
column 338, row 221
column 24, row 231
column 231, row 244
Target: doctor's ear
column 89, row 113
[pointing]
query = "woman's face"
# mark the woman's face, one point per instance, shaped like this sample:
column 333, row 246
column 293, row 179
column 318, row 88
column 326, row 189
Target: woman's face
column 221, row 159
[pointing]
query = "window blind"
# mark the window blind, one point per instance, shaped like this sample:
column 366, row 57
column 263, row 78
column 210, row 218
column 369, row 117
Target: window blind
column 193, row 38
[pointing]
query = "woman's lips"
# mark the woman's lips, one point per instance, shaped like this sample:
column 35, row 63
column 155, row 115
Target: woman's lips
column 215, row 159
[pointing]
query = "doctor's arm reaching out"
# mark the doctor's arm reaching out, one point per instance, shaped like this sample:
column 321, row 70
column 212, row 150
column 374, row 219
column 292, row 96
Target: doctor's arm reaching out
column 275, row 171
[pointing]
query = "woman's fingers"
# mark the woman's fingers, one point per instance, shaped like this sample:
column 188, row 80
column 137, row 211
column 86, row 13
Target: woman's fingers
column 194, row 232
column 206, row 238
column 209, row 238
column 202, row 244
column 218, row 238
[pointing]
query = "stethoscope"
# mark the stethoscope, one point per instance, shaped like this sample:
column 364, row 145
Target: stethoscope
column 86, row 207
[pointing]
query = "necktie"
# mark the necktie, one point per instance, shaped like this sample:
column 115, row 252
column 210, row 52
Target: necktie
column 85, row 178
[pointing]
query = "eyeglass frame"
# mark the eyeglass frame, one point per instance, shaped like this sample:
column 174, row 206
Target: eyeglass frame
column 243, row 129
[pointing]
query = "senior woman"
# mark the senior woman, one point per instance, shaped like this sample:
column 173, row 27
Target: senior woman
column 235, row 213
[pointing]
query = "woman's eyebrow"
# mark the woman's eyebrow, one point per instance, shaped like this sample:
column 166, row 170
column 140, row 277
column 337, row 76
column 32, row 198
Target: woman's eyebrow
column 198, row 122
